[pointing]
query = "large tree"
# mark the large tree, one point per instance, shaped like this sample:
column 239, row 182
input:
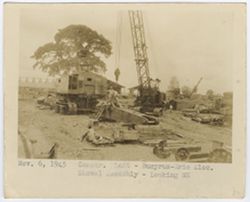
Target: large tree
column 76, row 47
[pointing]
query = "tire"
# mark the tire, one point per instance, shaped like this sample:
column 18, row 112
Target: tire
column 182, row 154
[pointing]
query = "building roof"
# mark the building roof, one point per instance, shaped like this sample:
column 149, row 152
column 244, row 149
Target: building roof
column 110, row 81
column 115, row 83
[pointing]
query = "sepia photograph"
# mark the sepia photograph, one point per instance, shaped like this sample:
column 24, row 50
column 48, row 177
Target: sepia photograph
column 145, row 85
column 147, row 96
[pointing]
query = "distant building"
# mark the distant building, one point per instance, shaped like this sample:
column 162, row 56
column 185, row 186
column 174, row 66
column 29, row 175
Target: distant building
column 116, row 86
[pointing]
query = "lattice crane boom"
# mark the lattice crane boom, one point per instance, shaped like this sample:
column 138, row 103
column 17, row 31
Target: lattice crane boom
column 196, row 86
column 140, row 48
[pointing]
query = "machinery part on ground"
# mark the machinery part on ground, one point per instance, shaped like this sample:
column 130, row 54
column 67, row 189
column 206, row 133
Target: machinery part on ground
column 206, row 118
column 52, row 154
column 182, row 154
column 122, row 135
column 213, row 119
column 220, row 155
column 160, row 151
column 181, row 151
column 198, row 157
column 101, row 141
column 109, row 112
column 163, row 154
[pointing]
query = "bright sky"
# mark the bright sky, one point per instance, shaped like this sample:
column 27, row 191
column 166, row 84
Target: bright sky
column 188, row 42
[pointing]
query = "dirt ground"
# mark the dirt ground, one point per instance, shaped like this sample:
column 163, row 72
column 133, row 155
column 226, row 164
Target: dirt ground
column 47, row 127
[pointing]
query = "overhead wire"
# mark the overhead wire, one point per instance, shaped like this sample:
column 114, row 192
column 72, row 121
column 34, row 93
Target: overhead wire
column 118, row 39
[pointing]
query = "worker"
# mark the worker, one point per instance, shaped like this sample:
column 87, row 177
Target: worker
column 91, row 136
column 117, row 74
column 171, row 108
column 112, row 97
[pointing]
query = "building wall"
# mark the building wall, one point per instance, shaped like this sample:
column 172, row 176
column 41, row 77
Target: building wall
column 33, row 82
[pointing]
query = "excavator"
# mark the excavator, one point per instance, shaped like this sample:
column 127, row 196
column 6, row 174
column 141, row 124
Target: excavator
column 150, row 100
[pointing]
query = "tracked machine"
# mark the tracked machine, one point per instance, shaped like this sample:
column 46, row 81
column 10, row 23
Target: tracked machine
column 150, row 100
column 79, row 92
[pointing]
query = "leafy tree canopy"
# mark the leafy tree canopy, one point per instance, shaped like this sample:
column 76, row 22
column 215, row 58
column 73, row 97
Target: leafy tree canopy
column 76, row 47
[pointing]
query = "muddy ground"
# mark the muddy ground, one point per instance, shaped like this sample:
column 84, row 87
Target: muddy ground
column 45, row 127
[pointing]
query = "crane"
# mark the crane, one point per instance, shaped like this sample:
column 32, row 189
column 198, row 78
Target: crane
column 140, row 48
column 150, row 99
column 149, row 96
column 196, row 87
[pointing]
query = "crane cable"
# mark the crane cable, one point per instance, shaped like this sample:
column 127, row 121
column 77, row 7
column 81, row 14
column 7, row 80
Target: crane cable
column 118, row 40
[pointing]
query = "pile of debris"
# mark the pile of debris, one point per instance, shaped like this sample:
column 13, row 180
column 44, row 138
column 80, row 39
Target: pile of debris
column 184, row 151
column 165, row 144
column 203, row 114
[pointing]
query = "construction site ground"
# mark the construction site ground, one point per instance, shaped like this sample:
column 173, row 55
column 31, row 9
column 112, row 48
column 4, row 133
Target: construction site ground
column 47, row 127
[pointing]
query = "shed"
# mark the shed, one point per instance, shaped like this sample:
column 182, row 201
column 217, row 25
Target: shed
column 116, row 86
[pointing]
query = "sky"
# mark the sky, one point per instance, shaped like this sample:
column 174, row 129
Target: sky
column 185, row 41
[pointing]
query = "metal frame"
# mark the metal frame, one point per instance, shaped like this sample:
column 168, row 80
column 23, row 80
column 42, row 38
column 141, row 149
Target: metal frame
column 140, row 48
